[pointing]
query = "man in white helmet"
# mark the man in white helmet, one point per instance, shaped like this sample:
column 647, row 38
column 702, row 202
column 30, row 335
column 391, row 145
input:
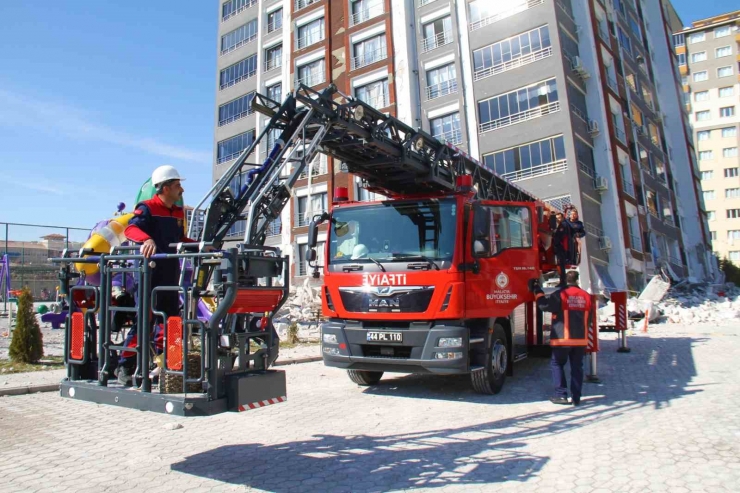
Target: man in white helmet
column 156, row 224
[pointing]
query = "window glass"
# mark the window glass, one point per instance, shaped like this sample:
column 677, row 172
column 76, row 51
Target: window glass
column 498, row 228
column 729, row 132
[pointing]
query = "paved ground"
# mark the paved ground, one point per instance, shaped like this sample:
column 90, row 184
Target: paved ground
column 666, row 418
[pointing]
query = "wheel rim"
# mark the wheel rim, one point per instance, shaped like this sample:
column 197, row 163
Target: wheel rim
column 499, row 359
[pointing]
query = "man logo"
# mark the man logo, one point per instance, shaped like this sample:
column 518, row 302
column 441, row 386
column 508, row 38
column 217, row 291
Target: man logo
column 502, row 280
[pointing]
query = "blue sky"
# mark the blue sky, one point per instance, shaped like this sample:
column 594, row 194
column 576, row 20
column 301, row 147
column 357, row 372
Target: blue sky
column 96, row 94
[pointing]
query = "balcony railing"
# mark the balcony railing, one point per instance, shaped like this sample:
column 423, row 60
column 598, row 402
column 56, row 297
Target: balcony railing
column 579, row 113
column 425, row 2
column 369, row 57
column 302, row 4
column 604, row 34
column 246, row 76
column 303, row 218
column 611, row 82
column 275, row 228
column 238, row 11
column 512, row 64
column 317, row 169
column 441, row 89
column 519, row 117
column 312, row 78
column 620, row 135
column 273, row 63
column 534, row 171
column 239, row 44
column 629, row 187
column 519, row 7
column 636, row 243
column 588, row 170
column 593, row 230
column 367, row 14
column 274, row 25
column 236, row 117
column 453, row 136
column 377, row 102
column 309, row 39
column 432, row 42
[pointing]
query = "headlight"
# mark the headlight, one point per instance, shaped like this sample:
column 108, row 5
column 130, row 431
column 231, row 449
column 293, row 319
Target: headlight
column 453, row 355
column 450, row 342
column 332, row 351
column 330, row 338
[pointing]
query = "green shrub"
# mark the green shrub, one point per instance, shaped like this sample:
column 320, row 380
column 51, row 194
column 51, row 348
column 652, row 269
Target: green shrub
column 293, row 333
column 732, row 271
column 27, row 345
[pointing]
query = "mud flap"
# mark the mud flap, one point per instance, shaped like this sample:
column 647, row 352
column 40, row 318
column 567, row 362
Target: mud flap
column 256, row 389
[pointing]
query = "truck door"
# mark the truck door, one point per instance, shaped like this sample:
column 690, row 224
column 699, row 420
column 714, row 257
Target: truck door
column 502, row 258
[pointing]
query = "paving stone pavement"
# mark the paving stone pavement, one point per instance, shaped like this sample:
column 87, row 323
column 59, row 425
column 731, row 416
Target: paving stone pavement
column 665, row 418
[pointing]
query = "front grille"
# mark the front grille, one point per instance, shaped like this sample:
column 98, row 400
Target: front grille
column 392, row 352
column 415, row 300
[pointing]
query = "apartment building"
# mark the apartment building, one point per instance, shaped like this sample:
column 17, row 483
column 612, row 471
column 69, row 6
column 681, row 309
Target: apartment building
column 708, row 59
column 571, row 99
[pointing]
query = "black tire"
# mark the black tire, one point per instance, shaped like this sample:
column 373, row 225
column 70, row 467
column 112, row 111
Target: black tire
column 365, row 378
column 490, row 379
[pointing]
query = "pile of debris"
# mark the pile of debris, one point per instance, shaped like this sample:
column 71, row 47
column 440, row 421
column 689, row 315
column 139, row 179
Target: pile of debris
column 683, row 303
column 303, row 309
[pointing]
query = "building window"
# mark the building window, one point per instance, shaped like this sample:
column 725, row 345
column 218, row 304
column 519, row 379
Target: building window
column 703, row 135
column 681, row 59
column 707, row 175
column 634, row 26
column 732, row 193
column 512, row 52
column 679, row 40
column 701, row 96
column 230, row 148
column 733, row 213
column 529, row 160
column 734, row 256
column 311, row 74
column 729, row 132
column 727, row 111
column 722, row 52
column 654, row 134
column 447, row 128
column 301, row 4
column 731, row 172
column 724, row 71
column 705, row 155
column 441, row 81
column 701, row 76
column 275, row 20
column 232, row 7
column 652, row 203
column 713, row 235
column 437, row 33
column 363, row 10
column 273, row 57
column 711, row 215
column 369, row 51
column 726, row 92
column 275, row 92
column 733, row 234
column 624, row 40
column 697, row 37
column 729, row 152
column 708, row 195
column 375, row 94
column 235, row 110
column 238, row 72
column 699, row 56
column 310, row 33
column 723, row 31
column 517, row 106
column 702, row 116
column 239, row 37
column 306, row 209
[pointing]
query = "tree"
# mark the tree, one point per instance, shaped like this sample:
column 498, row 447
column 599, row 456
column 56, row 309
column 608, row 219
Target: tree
column 732, row 271
column 27, row 345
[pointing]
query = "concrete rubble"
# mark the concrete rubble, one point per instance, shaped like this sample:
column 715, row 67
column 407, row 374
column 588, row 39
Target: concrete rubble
column 303, row 308
column 683, row 303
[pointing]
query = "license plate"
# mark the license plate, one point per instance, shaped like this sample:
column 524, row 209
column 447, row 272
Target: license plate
column 385, row 336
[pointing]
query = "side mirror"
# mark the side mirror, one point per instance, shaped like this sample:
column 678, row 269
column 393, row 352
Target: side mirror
column 311, row 255
column 313, row 233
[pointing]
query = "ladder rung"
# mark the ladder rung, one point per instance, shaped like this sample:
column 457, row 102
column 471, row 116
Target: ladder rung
column 127, row 309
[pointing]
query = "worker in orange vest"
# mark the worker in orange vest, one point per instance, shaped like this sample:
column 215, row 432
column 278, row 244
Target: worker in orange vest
column 571, row 311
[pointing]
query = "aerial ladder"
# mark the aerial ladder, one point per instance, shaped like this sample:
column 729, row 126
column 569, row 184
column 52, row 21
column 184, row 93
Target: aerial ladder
column 224, row 361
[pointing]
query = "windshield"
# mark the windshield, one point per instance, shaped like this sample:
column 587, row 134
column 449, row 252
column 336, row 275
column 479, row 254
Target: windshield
column 394, row 230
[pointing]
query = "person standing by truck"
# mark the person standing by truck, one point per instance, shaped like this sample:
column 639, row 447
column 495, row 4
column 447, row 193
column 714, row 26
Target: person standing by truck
column 571, row 311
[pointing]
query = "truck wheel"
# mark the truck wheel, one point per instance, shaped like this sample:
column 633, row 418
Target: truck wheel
column 490, row 379
column 365, row 378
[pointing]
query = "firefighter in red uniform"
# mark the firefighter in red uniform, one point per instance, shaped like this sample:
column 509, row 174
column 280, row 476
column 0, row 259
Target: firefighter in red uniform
column 156, row 224
column 571, row 310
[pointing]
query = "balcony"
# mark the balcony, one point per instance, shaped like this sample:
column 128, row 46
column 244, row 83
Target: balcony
column 236, row 117
column 246, row 76
column 628, row 187
column 519, row 117
column 534, row 171
column 593, row 230
column 273, row 63
column 636, row 243
column 302, row 4
column 250, row 3
column 433, row 42
column 309, row 39
column 442, row 89
column 369, row 58
column 378, row 102
column 275, row 228
column 312, row 78
column 512, row 64
column 239, row 44
column 453, row 136
column 621, row 137
column 425, row 2
column 367, row 14
column 521, row 6
column 612, row 83
column 318, row 167
column 304, row 218
column 604, row 35
column 579, row 113
column 588, row 170
column 274, row 25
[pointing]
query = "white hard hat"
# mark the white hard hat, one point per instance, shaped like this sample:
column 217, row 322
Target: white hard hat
column 360, row 251
column 165, row 173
